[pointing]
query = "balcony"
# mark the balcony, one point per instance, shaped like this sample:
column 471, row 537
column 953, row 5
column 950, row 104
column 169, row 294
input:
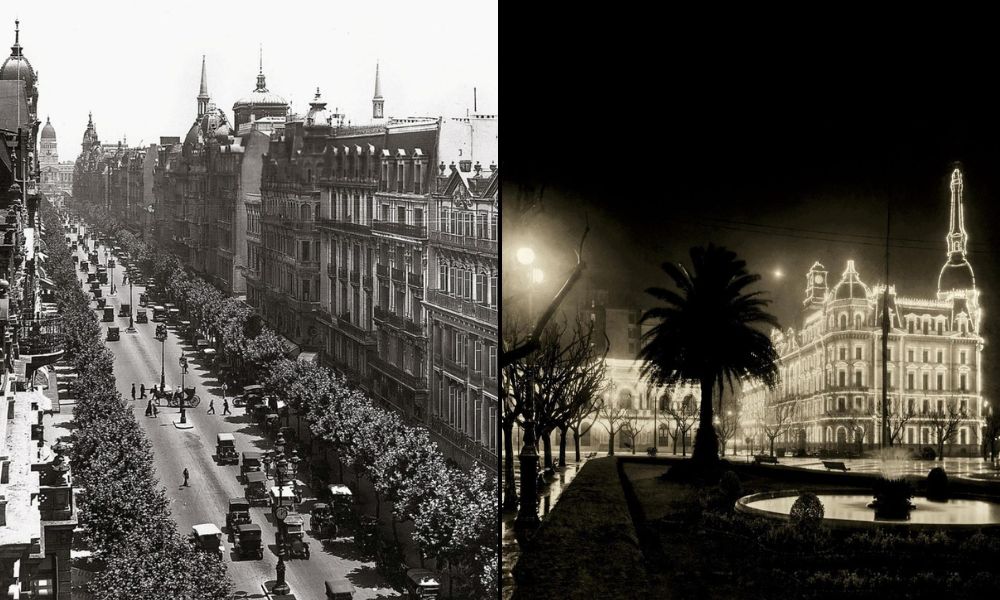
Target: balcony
column 461, row 441
column 358, row 333
column 418, row 232
column 331, row 269
column 41, row 338
column 367, row 281
column 461, row 242
column 303, row 306
column 413, row 382
column 355, row 277
column 466, row 308
column 345, row 226
column 382, row 270
column 400, row 323
column 342, row 273
column 398, row 275
column 415, row 279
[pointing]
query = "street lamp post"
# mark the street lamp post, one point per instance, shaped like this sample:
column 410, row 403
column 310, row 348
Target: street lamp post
column 161, row 334
column 527, row 514
column 184, row 369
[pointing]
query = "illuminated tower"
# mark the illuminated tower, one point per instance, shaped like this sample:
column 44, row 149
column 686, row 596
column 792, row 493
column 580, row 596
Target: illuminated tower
column 957, row 281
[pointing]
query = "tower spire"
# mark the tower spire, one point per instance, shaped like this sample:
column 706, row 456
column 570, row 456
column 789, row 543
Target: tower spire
column 378, row 103
column 957, row 238
column 261, row 83
column 203, row 96
column 15, row 50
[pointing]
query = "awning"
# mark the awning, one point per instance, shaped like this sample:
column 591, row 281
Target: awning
column 309, row 357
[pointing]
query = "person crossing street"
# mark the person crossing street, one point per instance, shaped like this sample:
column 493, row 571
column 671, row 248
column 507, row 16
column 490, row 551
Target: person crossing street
column 133, row 392
column 225, row 407
column 142, row 390
column 211, row 406
column 186, row 475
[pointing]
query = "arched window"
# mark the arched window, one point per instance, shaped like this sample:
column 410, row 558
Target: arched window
column 665, row 401
column 857, row 321
column 688, row 403
column 625, row 399
column 843, row 321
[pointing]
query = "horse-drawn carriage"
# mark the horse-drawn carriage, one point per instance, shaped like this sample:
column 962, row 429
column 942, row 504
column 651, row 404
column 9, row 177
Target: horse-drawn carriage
column 172, row 398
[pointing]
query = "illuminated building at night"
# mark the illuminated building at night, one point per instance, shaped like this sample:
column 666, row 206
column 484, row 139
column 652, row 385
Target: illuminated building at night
column 831, row 367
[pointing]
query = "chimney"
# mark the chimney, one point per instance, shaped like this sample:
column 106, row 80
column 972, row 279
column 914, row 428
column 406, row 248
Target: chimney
column 465, row 166
column 479, row 169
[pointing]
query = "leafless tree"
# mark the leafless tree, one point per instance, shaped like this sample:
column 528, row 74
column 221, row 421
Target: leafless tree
column 685, row 417
column 727, row 426
column 899, row 416
column 774, row 421
column 584, row 419
column 859, row 423
column 632, row 427
column 945, row 423
column 612, row 419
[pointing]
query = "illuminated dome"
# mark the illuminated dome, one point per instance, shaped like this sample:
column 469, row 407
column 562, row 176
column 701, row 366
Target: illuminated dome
column 48, row 132
column 956, row 276
column 851, row 286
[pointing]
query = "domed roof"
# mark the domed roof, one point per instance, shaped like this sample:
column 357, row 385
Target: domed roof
column 222, row 132
column 194, row 136
column 17, row 66
column 48, row 132
column 850, row 285
column 318, row 116
column 956, row 276
column 260, row 96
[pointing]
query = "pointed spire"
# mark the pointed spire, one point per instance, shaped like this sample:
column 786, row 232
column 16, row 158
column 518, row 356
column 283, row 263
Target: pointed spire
column 261, row 83
column 378, row 103
column 15, row 50
column 378, row 82
column 957, row 237
column 204, row 79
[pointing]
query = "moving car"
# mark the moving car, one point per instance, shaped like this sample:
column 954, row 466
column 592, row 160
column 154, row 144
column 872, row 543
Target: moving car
column 114, row 334
column 292, row 533
column 208, row 538
column 249, row 392
column 140, row 316
column 256, row 488
column 159, row 313
column 225, row 449
column 339, row 589
column 248, row 541
column 239, row 512
column 251, row 462
column 422, row 584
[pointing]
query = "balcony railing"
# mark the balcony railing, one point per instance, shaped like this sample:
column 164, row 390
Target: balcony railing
column 411, row 381
column 401, row 323
column 382, row 270
column 472, row 244
column 367, row 282
column 41, row 336
column 355, row 277
column 477, row 311
column 414, row 231
column 415, row 279
column 398, row 275
column 463, row 442
column 342, row 273
column 341, row 225
column 356, row 332
column 331, row 269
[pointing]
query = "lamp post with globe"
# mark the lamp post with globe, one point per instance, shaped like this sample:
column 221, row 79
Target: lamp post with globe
column 527, row 514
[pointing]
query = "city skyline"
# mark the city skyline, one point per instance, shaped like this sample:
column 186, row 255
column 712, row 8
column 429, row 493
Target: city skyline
column 296, row 60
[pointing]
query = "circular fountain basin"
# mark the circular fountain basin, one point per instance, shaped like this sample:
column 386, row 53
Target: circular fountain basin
column 849, row 508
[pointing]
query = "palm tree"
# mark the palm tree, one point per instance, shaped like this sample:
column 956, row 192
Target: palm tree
column 708, row 332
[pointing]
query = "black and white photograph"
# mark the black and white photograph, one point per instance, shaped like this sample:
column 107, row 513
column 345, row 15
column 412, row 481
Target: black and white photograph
column 749, row 331
column 249, row 301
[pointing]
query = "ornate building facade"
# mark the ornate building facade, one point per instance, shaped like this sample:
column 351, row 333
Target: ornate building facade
column 56, row 177
column 831, row 367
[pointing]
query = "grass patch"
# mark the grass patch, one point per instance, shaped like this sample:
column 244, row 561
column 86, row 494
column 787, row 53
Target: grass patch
column 587, row 547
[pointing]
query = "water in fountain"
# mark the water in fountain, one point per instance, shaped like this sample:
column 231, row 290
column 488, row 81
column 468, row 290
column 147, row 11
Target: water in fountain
column 892, row 491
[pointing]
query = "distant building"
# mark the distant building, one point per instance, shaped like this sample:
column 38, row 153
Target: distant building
column 56, row 177
column 831, row 367
column 616, row 328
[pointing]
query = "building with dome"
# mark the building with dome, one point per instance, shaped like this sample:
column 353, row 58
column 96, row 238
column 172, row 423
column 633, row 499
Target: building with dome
column 831, row 366
column 56, row 177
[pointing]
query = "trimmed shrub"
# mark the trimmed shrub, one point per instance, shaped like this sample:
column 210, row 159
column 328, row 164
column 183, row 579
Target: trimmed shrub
column 730, row 486
column 927, row 453
column 807, row 511
column 937, row 484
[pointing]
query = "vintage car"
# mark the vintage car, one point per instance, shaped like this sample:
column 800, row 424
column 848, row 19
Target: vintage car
column 102, row 302
column 92, row 280
column 249, row 392
column 84, row 266
column 143, row 299
column 283, row 500
column 239, row 512
column 125, row 310
column 208, row 355
column 256, row 488
column 114, row 334
column 159, row 313
column 328, row 517
column 208, row 538
column 291, row 532
column 251, row 462
column 225, row 449
column 140, row 316
column 422, row 584
column 248, row 541
column 102, row 276
column 339, row 589
column 173, row 315
column 109, row 314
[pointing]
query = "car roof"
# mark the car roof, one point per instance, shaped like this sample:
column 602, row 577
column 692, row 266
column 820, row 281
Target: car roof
column 337, row 489
column 284, row 490
column 248, row 527
column 255, row 476
column 225, row 436
column 240, row 500
column 339, row 586
column 206, row 529
column 256, row 455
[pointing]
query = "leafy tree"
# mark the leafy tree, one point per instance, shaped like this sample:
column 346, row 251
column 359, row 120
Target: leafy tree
column 708, row 332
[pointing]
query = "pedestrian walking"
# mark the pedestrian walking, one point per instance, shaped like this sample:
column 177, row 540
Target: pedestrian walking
column 133, row 392
column 142, row 390
column 186, row 477
column 225, row 407
column 211, row 406
column 149, row 408
column 156, row 413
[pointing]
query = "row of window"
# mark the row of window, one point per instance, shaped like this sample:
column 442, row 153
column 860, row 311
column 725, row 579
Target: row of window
column 466, row 410
column 469, row 223
column 465, row 349
column 460, row 282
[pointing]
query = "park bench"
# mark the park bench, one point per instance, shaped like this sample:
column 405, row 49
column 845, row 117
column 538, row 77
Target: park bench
column 763, row 459
column 835, row 465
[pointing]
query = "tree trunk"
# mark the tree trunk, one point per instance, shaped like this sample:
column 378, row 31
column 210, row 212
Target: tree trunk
column 562, row 446
column 547, row 444
column 509, row 489
column 684, row 443
column 772, row 445
column 611, row 444
column 677, row 434
column 633, row 444
column 706, row 442
column 576, row 444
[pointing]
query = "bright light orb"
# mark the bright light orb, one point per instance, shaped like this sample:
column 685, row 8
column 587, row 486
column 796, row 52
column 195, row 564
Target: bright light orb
column 525, row 256
column 537, row 276
column 778, row 274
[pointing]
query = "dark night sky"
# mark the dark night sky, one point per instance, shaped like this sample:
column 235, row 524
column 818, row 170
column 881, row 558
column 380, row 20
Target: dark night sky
column 668, row 141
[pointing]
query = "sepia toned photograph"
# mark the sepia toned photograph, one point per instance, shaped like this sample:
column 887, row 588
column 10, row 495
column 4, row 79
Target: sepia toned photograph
column 749, row 335
column 249, row 279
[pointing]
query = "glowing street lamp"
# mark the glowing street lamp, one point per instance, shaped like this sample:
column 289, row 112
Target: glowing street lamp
column 525, row 256
column 537, row 276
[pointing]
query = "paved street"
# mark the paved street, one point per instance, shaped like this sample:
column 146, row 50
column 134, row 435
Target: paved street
column 137, row 359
